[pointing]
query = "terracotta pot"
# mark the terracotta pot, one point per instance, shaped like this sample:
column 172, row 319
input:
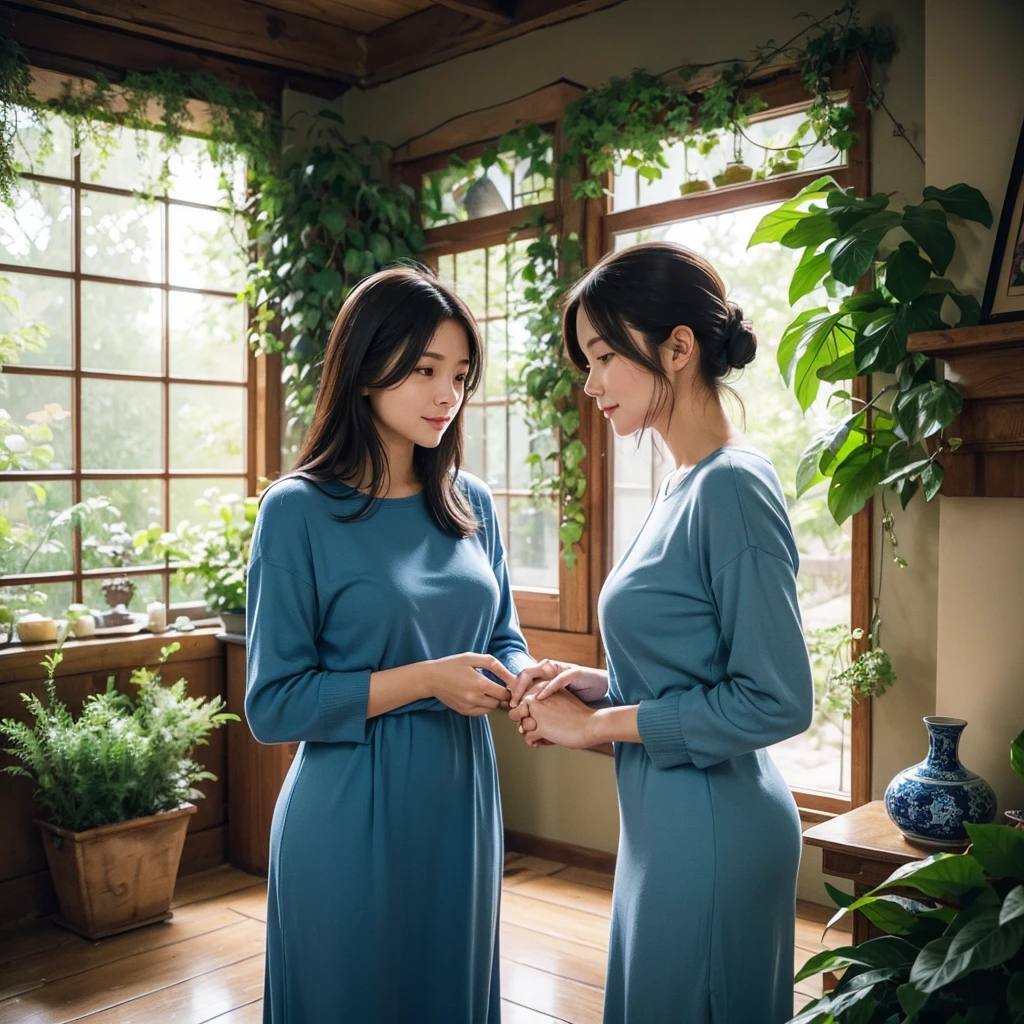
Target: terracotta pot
column 118, row 591
column 116, row 877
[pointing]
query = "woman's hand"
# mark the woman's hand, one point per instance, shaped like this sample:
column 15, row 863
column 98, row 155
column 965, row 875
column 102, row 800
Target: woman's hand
column 560, row 718
column 589, row 684
column 457, row 684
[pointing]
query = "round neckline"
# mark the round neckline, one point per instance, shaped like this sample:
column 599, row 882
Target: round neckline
column 666, row 494
column 350, row 491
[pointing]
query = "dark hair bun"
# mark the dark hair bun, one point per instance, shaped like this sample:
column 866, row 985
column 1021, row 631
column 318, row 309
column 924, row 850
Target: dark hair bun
column 740, row 340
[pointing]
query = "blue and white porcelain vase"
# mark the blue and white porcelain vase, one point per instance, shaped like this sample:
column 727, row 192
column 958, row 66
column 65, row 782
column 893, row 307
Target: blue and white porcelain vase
column 931, row 802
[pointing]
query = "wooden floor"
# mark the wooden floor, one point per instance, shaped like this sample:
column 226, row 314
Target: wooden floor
column 206, row 964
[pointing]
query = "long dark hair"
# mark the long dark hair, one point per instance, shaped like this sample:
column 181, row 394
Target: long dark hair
column 655, row 287
column 380, row 334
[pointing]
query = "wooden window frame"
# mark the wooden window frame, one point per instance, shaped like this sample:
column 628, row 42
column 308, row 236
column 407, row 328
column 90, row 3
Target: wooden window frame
column 260, row 382
column 784, row 95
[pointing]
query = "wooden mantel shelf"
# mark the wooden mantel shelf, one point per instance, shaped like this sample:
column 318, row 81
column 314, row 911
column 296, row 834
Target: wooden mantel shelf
column 987, row 364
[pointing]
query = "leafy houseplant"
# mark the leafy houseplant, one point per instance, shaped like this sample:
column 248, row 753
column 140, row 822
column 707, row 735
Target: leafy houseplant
column 218, row 553
column 954, row 948
column 892, row 440
column 116, row 782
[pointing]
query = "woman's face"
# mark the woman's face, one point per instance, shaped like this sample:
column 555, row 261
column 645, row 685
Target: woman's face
column 421, row 408
column 623, row 389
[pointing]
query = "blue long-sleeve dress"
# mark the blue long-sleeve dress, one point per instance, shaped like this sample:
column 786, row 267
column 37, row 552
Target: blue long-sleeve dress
column 386, row 845
column 702, row 629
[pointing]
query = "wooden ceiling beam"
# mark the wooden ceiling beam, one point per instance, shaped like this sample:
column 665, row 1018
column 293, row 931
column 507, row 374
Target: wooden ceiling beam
column 238, row 28
column 439, row 33
column 495, row 12
column 76, row 49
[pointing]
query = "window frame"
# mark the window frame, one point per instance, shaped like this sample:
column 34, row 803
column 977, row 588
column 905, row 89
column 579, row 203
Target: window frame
column 260, row 381
column 784, row 95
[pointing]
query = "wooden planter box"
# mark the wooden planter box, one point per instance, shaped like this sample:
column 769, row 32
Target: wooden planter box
column 116, row 877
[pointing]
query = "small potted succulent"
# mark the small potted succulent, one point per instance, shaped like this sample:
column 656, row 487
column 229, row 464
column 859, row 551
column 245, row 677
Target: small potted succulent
column 117, row 782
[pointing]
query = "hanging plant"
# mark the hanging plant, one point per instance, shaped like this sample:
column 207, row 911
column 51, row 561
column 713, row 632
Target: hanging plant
column 629, row 122
column 546, row 382
column 327, row 222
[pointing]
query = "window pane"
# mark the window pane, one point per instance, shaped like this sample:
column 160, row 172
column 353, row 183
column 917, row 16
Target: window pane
column 121, row 328
column 196, row 178
column 497, row 280
column 473, row 439
column 533, row 542
column 43, row 301
column 185, row 493
column 758, row 280
column 207, row 425
column 146, row 589
column 496, row 359
column 35, row 422
column 121, row 236
column 36, row 231
column 471, row 279
column 121, row 424
column 132, row 163
column 207, row 250
column 29, row 509
column 42, row 152
column 139, row 504
column 49, row 599
column 522, row 444
column 496, row 449
column 207, row 336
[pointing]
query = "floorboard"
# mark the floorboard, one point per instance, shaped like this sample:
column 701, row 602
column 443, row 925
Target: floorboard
column 206, row 964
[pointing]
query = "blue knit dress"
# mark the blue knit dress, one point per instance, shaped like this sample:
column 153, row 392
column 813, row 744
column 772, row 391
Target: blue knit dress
column 702, row 629
column 386, row 846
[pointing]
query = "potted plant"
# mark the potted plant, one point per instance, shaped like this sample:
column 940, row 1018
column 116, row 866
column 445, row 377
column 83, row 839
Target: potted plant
column 954, row 943
column 703, row 144
column 118, row 782
column 736, row 171
column 218, row 554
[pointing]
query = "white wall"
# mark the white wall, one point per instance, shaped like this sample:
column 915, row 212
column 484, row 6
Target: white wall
column 974, row 78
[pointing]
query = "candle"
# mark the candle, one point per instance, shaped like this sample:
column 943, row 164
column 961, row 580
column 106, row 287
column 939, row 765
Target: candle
column 157, row 616
column 83, row 625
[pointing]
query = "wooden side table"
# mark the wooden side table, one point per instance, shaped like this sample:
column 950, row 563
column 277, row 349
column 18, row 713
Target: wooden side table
column 866, row 847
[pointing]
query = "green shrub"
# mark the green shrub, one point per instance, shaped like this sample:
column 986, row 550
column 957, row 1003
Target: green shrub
column 122, row 758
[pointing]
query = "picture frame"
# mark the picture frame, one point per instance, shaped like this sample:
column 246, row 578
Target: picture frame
column 1004, row 289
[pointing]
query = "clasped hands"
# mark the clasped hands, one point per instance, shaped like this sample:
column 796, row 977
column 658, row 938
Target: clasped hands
column 549, row 703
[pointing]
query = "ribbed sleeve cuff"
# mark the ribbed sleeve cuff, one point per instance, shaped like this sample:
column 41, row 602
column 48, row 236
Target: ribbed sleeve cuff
column 658, row 723
column 516, row 661
column 343, row 700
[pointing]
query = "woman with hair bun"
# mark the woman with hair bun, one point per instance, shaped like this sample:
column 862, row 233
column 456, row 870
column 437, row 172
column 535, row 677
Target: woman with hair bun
column 707, row 664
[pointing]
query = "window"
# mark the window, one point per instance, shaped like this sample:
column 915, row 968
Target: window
column 497, row 435
column 132, row 379
column 718, row 223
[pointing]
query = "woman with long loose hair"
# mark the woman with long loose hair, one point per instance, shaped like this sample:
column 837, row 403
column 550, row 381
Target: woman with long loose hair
column 378, row 596
column 707, row 663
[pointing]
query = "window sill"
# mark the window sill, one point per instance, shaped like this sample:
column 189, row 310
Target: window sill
column 20, row 661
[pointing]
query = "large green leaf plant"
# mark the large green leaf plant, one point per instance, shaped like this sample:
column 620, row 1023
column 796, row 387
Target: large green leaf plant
column 953, row 948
